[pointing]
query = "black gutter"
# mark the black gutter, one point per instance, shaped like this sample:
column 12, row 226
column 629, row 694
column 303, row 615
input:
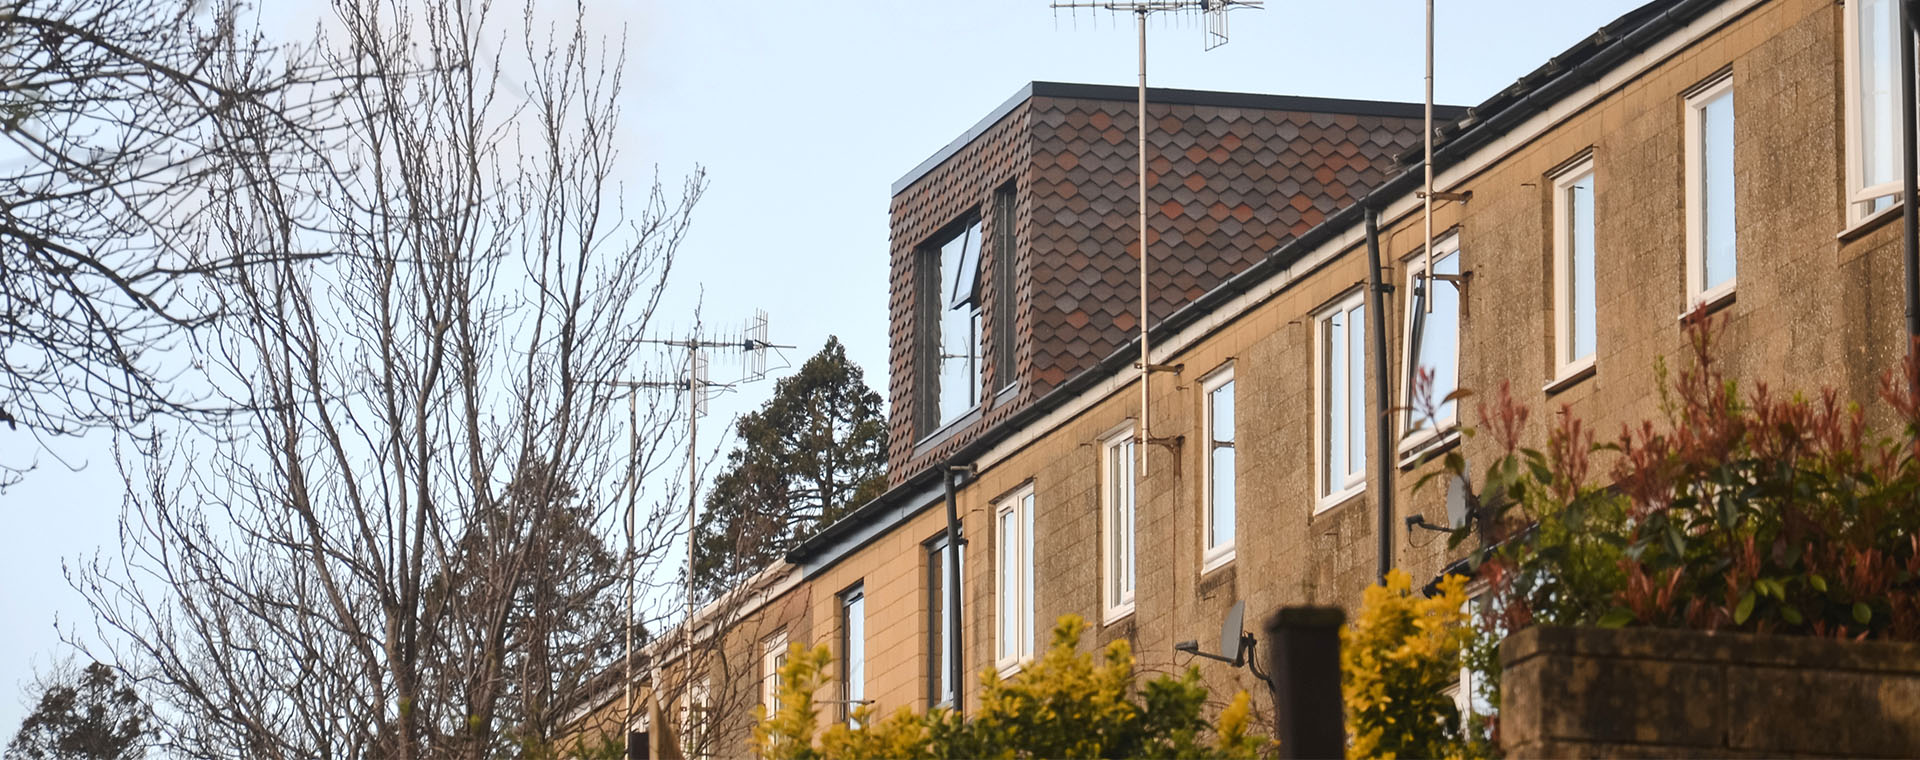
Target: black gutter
column 1382, row 393
column 1563, row 74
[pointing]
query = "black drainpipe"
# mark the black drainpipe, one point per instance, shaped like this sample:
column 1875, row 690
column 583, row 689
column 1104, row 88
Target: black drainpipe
column 1383, row 401
column 956, row 670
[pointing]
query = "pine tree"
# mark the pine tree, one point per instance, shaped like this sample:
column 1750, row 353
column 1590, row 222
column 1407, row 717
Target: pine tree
column 816, row 450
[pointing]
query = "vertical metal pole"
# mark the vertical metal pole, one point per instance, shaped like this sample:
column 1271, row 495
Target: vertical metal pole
column 956, row 670
column 633, row 452
column 1426, row 198
column 1140, row 127
column 1382, row 388
column 1910, row 219
column 693, row 489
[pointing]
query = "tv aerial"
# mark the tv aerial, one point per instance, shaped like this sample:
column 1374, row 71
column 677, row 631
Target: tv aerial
column 1215, row 14
column 750, row 345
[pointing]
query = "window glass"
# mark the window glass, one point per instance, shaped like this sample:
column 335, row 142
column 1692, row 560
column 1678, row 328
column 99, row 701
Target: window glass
column 1874, row 142
column 1439, row 340
column 1026, row 577
column 1582, row 311
column 1120, row 506
column 1342, row 354
column 853, row 665
column 943, row 599
column 1716, row 189
column 1220, row 466
column 959, row 355
column 1009, row 584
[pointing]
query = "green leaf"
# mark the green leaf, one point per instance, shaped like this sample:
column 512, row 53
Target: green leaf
column 1616, row 618
column 1791, row 614
column 1744, row 609
column 1818, row 583
column 1862, row 614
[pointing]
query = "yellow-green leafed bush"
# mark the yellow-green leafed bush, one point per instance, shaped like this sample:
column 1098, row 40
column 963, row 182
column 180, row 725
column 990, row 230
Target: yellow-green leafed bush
column 1396, row 660
column 1064, row 705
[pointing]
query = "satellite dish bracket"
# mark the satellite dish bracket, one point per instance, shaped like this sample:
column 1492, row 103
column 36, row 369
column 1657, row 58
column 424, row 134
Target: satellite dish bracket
column 1236, row 644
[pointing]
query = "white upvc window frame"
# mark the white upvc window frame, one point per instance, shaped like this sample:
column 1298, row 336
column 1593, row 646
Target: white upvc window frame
column 1119, row 558
column 1332, row 491
column 773, row 656
column 1566, row 364
column 695, row 719
column 1697, row 99
column 1415, row 266
column 853, row 670
column 1860, row 196
column 1013, row 594
column 1212, row 555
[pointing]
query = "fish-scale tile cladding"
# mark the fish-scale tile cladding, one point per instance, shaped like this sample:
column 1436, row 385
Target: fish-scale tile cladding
column 1231, row 177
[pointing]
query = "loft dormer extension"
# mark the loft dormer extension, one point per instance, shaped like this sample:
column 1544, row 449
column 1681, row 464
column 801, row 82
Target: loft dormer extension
column 1014, row 250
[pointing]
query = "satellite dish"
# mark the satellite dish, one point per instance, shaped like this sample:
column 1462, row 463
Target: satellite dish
column 1232, row 634
column 1459, row 500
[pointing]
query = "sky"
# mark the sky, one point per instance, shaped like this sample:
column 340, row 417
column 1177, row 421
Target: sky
column 803, row 115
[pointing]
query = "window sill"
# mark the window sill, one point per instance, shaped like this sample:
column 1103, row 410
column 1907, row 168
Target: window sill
column 1328, row 502
column 1708, row 303
column 947, row 430
column 1415, row 452
column 1871, row 222
column 1570, row 375
column 1217, row 558
column 1117, row 614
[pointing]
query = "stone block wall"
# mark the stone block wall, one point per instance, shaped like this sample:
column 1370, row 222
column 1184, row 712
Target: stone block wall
column 1587, row 692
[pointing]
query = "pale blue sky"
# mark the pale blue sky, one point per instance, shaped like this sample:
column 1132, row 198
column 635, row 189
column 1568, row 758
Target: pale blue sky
column 804, row 114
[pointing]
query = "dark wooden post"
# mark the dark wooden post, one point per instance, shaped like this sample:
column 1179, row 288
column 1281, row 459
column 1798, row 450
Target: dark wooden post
column 1303, row 658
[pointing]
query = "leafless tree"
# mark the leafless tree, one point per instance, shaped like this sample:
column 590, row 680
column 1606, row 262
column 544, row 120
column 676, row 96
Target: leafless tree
column 404, row 547
column 121, row 122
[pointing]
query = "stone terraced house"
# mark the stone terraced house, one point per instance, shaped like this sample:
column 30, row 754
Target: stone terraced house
column 1734, row 155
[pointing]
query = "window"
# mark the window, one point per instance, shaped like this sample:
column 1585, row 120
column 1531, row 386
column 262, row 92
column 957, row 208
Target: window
column 1873, row 110
column 1575, row 336
column 1432, row 344
column 1014, row 531
column 853, row 650
column 773, row 657
column 1004, row 287
column 1340, row 357
column 1117, row 509
column 694, row 719
column 1710, row 202
column 954, row 266
column 942, row 603
column 1221, row 478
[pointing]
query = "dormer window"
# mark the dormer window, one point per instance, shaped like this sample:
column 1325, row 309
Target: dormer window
column 956, row 350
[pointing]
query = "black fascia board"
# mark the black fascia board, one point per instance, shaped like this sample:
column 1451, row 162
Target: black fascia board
column 1585, row 62
column 1169, row 96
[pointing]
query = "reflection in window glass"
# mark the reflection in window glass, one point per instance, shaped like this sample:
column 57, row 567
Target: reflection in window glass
column 959, row 299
